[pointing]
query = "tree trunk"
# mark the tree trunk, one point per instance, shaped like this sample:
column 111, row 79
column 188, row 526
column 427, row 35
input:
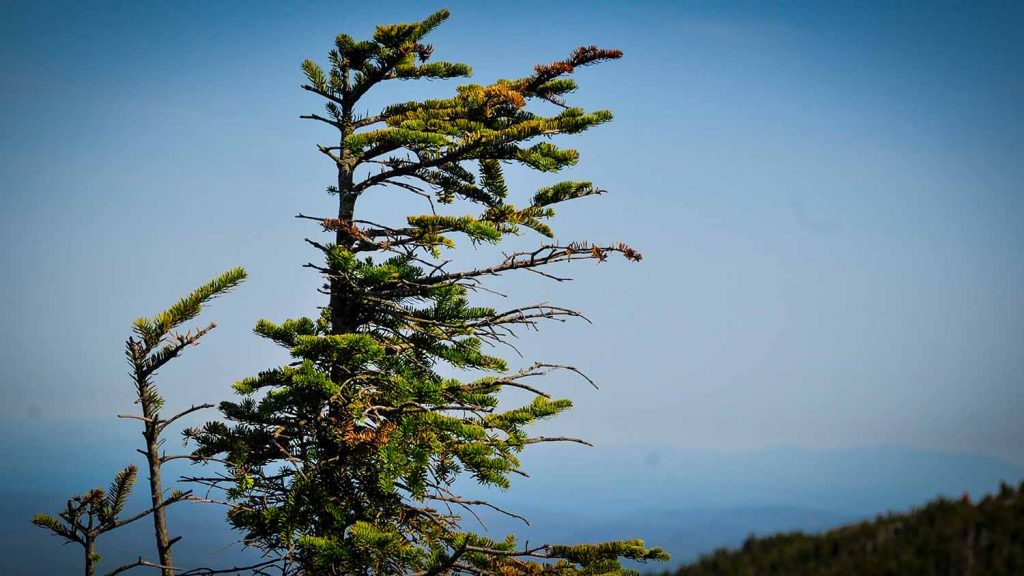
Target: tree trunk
column 152, row 435
column 342, row 311
column 163, row 538
column 90, row 558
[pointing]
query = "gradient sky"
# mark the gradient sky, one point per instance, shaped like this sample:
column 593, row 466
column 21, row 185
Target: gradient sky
column 829, row 198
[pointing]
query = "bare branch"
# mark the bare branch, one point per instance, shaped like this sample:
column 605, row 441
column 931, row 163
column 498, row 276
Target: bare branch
column 458, row 500
column 235, row 569
column 153, row 364
column 144, row 513
column 334, row 123
column 134, row 417
column 136, row 564
column 194, row 408
column 327, row 95
column 539, row 439
column 363, row 122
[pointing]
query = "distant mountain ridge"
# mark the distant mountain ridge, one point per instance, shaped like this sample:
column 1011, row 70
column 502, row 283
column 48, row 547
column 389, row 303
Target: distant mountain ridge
column 687, row 501
column 693, row 501
column 944, row 538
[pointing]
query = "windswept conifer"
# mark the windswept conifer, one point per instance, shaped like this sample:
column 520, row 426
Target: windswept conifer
column 344, row 460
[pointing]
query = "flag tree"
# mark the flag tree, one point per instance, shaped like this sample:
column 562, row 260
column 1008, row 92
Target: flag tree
column 343, row 461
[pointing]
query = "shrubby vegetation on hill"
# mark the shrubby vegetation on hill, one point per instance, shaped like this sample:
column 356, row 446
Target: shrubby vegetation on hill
column 945, row 537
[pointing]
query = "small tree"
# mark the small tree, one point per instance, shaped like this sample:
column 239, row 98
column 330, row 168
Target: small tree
column 154, row 344
column 343, row 461
column 92, row 514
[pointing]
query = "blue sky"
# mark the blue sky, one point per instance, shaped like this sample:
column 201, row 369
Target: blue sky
column 829, row 199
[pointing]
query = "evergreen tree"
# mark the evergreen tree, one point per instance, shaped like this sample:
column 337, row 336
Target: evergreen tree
column 155, row 343
column 343, row 461
column 92, row 514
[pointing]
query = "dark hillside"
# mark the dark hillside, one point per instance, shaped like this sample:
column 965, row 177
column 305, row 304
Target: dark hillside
column 944, row 538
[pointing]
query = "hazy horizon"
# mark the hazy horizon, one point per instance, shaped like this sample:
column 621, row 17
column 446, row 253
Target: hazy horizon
column 688, row 501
